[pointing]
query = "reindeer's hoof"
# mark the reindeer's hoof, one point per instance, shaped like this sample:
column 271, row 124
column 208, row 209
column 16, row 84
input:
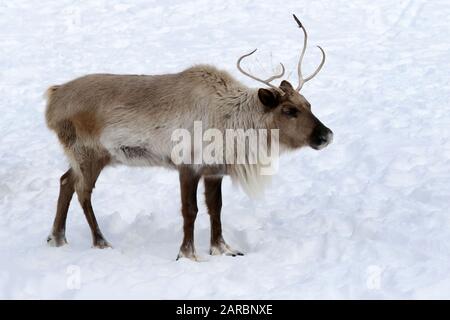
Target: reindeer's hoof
column 190, row 255
column 222, row 248
column 56, row 241
column 101, row 244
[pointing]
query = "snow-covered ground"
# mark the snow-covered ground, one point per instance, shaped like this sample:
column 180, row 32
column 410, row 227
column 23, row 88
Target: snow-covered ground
column 368, row 217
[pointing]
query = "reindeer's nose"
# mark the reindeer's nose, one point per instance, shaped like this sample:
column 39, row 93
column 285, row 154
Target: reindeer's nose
column 321, row 137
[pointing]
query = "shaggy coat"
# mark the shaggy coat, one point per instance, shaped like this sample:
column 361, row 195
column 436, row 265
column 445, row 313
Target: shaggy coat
column 105, row 119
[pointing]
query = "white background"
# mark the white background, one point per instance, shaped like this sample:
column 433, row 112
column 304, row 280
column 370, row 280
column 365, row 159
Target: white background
column 368, row 217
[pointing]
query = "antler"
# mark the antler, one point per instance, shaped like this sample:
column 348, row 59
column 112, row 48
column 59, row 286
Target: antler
column 305, row 42
column 267, row 81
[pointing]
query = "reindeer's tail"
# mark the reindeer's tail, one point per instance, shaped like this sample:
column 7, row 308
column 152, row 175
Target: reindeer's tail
column 49, row 96
column 50, row 91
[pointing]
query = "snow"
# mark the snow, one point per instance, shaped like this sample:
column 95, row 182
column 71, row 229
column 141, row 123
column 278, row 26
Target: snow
column 367, row 217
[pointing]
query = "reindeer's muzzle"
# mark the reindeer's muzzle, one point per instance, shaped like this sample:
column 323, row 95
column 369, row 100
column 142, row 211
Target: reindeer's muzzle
column 320, row 137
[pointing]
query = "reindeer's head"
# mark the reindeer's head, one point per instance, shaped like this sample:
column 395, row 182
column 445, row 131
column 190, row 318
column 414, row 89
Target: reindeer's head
column 292, row 113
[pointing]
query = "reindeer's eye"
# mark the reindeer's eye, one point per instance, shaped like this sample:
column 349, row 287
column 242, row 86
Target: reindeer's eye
column 290, row 112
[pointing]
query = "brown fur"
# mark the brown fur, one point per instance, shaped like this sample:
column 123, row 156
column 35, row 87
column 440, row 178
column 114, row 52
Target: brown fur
column 87, row 123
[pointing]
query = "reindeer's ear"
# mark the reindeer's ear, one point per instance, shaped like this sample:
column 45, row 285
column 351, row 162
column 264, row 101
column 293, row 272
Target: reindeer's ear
column 269, row 98
column 286, row 86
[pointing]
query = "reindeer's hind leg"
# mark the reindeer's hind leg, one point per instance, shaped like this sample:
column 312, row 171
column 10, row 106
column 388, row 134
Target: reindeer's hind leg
column 66, row 190
column 213, row 196
column 90, row 166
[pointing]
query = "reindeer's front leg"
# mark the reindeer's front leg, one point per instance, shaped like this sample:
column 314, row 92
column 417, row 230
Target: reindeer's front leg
column 188, row 184
column 213, row 195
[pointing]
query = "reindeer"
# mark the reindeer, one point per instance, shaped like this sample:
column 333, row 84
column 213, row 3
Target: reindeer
column 105, row 119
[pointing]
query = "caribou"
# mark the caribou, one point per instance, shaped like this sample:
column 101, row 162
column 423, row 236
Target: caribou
column 105, row 119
